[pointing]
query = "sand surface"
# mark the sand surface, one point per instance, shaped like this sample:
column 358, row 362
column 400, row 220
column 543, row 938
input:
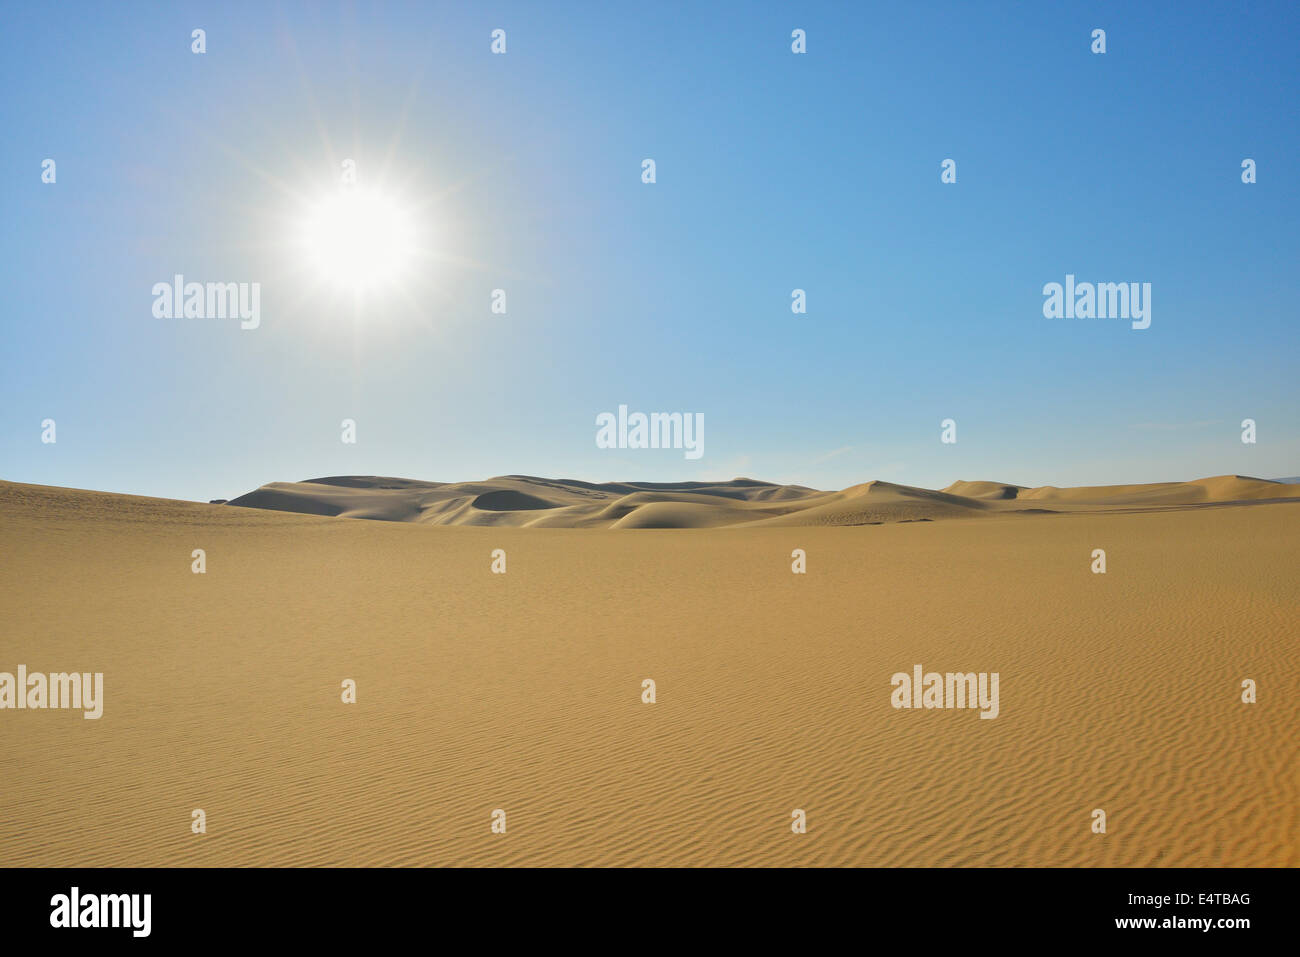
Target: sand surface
column 522, row 691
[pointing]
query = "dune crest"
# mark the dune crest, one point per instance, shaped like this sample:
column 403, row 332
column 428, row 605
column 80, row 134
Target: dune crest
column 529, row 501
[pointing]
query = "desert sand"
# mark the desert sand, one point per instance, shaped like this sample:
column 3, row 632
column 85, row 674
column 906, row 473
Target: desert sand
column 522, row 691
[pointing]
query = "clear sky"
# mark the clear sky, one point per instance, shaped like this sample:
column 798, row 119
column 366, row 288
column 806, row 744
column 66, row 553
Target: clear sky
column 775, row 171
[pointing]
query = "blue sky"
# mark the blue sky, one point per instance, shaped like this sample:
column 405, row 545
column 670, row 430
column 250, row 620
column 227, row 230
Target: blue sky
column 775, row 171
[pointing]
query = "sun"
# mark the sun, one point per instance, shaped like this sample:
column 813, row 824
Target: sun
column 358, row 239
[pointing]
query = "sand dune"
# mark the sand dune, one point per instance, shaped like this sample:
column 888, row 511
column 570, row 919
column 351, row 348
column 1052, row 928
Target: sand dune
column 1217, row 490
column 993, row 490
column 522, row 691
column 521, row 500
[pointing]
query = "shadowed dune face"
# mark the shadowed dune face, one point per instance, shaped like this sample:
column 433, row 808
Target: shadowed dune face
column 524, row 500
column 510, row 500
column 988, row 490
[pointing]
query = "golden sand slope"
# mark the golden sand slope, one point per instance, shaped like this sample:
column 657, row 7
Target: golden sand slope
column 522, row 691
column 521, row 500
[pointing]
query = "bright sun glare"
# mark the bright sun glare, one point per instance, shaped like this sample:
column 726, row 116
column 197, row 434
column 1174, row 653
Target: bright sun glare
column 358, row 239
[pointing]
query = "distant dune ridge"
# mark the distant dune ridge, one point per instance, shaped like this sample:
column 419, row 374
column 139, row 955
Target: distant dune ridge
column 523, row 500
